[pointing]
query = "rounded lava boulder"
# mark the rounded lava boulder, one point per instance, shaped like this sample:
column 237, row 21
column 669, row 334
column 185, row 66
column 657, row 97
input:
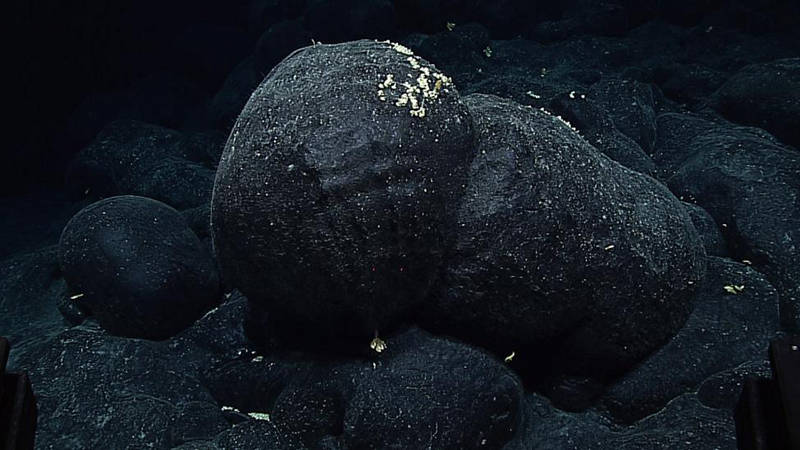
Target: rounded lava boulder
column 135, row 264
column 561, row 253
column 328, row 207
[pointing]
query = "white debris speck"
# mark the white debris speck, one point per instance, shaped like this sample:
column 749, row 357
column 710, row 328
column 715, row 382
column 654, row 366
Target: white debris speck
column 426, row 87
column 400, row 48
column 259, row 415
column 377, row 344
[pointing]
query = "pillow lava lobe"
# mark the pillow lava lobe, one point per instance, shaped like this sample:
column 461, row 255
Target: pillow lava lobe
column 135, row 264
column 561, row 252
column 328, row 207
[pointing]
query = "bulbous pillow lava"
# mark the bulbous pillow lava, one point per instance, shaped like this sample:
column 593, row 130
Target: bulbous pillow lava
column 135, row 264
column 329, row 205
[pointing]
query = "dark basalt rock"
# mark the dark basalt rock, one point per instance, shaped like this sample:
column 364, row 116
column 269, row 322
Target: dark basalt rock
column 574, row 262
column 749, row 183
column 724, row 331
column 329, row 205
column 575, row 268
column 599, row 130
column 524, row 71
column 707, row 228
column 688, row 83
column 138, row 267
column 683, row 423
column 206, row 146
column 673, row 145
column 198, row 219
column 631, row 106
column 130, row 157
column 764, row 95
column 31, row 290
column 256, row 434
column 722, row 390
column 99, row 391
column 422, row 391
column 459, row 52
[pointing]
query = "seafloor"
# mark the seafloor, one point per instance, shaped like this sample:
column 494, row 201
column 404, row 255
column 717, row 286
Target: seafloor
column 440, row 225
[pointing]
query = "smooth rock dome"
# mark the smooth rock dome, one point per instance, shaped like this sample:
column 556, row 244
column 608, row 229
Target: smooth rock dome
column 328, row 207
column 135, row 264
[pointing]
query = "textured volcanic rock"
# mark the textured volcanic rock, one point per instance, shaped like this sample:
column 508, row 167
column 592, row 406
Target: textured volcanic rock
column 707, row 229
column 99, row 391
column 631, row 106
column 764, row 95
column 722, row 390
column 724, row 331
column 750, row 184
column 198, row 220
column 460, row 52
column 675, row 135
column 30, row 289
column 140, row 269
column 94, row 389
column 599, row 130
column 511, row 71
column 562, row 253
column 684, row 423
column 448, row 394
column 421, row 392
column 329, row 203
column 256, row 434
column 130, row 157
column 688, row 83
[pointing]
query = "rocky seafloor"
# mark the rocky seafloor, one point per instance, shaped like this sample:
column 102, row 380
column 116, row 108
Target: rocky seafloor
column 434, row 226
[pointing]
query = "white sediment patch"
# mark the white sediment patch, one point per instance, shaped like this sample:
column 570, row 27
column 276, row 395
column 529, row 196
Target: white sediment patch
column 418, row 94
